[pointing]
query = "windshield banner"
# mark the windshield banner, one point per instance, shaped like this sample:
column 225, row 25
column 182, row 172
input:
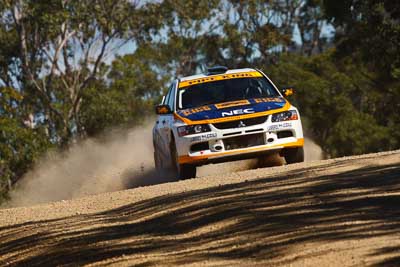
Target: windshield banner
column 213, row 78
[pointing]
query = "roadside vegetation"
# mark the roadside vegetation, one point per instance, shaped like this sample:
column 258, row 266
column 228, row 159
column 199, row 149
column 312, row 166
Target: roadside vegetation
column 73, row 69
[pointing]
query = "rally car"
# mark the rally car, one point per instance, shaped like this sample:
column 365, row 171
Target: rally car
column 224, row 115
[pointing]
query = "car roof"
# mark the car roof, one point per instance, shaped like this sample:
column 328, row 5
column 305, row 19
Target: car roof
column 198, row 76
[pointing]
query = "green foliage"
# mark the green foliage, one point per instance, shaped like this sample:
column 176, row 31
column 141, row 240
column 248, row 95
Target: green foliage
column 370, row 31
column 130, row 97
column 369, row 36
column 53, row 70
column 19, row 147
column 337, row 102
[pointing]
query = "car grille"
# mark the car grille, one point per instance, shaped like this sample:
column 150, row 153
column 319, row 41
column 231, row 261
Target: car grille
column 284, row 134
column 240, row 123
column 244, row 141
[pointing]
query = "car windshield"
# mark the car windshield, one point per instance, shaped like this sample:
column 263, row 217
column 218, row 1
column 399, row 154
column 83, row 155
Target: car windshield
column 224, row 91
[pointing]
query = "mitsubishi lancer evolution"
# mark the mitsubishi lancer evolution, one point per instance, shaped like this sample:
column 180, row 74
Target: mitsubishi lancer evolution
column 224, row 115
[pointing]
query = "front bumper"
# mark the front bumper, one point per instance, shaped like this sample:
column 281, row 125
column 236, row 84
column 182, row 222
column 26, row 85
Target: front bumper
column 240, row 142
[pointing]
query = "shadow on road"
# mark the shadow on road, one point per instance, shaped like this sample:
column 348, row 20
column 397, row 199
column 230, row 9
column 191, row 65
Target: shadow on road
column 260, row 219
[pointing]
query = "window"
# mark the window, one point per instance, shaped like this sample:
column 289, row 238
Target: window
column 169, row 98
column 225, row 90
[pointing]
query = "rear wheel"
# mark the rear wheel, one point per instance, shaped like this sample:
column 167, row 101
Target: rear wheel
column 294, row 155
column 181, row 171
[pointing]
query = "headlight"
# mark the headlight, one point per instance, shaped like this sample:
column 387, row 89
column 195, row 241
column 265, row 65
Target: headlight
column 285, row 116
column 193, row 129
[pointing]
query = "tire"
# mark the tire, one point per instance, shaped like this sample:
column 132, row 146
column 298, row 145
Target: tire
column 181, row 171
column 157, row 161
column 294, row 155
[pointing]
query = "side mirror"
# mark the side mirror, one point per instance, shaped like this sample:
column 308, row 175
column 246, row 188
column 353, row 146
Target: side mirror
column 288, row 91
column 163, row 109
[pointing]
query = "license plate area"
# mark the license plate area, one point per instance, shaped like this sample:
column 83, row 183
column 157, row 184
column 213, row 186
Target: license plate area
column 244, row 141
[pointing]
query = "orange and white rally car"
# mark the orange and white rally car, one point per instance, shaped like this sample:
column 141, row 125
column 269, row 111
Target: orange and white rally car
column 224, row 115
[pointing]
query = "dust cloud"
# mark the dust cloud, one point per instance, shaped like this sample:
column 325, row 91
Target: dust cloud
column 312, row 151
column 120, row 160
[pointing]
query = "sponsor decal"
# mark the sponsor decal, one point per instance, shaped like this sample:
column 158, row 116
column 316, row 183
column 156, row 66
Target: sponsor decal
column 232, row 104
column 268, row 99
column 188, row 112
column 211, row 114
column 279, row 126
column 237, row 112
column 203, row 137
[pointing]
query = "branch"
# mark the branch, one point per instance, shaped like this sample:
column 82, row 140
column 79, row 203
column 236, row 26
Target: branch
column 61, row 43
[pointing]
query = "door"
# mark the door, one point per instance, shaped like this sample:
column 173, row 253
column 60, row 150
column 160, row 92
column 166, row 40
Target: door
column 164, row 123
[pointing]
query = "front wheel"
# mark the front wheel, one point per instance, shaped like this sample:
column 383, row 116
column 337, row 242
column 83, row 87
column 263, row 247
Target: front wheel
column 294, row 155
column 181, row 171
column 157, row 161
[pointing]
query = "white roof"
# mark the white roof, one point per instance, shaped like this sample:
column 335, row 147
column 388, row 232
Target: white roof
column 197, row 76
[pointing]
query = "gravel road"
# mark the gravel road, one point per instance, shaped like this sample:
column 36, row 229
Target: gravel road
column 337, row 212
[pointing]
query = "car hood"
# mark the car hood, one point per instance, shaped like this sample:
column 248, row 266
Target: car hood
column 232, row 110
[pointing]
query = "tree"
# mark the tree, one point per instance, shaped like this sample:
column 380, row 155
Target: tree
column 62, row 47
column 334, row 109
column 133, row 90
column 310, row 23
column 20, row 141
column 53, row 58
column 368, row 33
column 250, row 34
column 369, row 29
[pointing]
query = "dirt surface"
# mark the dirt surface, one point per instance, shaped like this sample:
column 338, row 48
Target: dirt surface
column 338, row 212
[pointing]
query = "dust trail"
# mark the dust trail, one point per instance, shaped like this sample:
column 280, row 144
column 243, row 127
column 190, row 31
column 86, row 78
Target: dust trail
column 119, row 160
column 312, row 151
column 123, row 159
